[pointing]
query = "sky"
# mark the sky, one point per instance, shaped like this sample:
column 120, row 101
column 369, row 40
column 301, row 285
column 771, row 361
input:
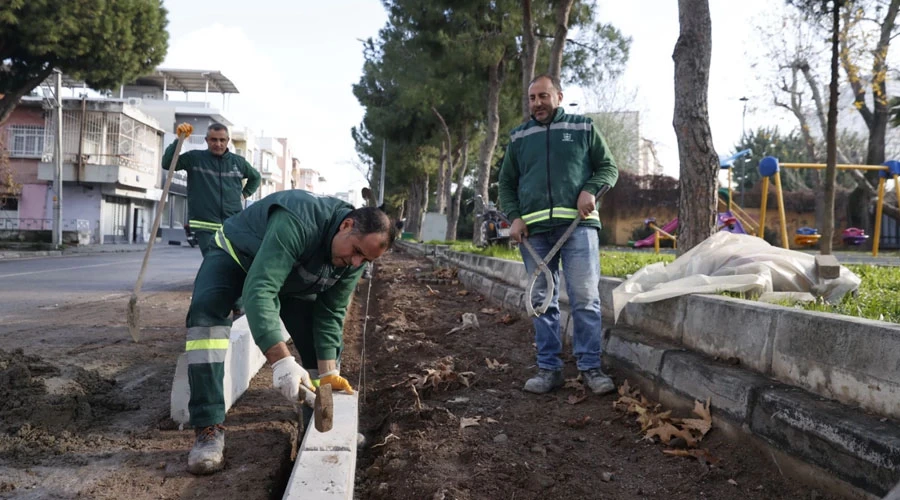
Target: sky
column 294, row 63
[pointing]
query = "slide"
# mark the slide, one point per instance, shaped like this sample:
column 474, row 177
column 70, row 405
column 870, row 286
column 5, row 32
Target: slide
column 736, row 227
column 648, row 241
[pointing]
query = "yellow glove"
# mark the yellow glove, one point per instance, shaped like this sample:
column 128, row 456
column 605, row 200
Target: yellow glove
column 184, row 130
column 337, row 382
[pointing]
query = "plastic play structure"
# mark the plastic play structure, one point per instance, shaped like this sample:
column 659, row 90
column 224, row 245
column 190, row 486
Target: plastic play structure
column 855, row 236
column 732, row 218
column 769, row 167
column 806, row 237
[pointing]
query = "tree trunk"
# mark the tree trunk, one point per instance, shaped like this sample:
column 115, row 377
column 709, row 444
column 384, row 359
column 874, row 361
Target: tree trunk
column 831, row 138
column 529, row 56
column 418, row 203
column 443, row 177
column 699, row 162
column 453, row 220
column 495, row 80
column 441, row 201
column 563, row 8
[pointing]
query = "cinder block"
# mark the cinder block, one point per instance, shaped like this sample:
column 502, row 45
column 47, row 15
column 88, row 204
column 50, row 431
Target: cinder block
column 731, row 328
column 326, row 462
column 828, row 267
column 729, row 389
column 664, row 318
column 242, row 362
column 642, row 353
column 855, row 361
column 859, row 448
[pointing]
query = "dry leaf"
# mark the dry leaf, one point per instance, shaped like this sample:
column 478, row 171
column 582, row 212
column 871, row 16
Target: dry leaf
column 702, row 411
column 578, row 423
column 468, row 422
column 490, row 311
column 574, row 383
column 431, row 291
column 507, row 319
column 462, row 293
column 667, row 431
column 698, row 453
column 495, row 365
column 576, row 398
column 732, row 482
column 490, row 420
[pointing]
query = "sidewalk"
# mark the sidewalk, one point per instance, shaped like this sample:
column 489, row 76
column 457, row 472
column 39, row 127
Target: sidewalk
column 76, row 250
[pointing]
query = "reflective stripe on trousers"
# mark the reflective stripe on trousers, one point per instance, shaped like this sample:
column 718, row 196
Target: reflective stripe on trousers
column 207, row 344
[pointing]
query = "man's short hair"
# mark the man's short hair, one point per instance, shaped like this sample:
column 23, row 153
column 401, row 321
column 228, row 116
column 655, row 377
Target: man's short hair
column 217, row 126
column 368, row 220
column 553, row 80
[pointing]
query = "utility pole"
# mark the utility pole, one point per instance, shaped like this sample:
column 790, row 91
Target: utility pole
column 57, row 174
column 383, row 156
column 743, row 134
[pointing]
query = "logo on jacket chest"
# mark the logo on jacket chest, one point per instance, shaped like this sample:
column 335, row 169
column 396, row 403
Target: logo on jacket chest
column 567, row 137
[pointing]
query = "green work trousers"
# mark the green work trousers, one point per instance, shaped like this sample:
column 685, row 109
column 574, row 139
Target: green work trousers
column 219, row 283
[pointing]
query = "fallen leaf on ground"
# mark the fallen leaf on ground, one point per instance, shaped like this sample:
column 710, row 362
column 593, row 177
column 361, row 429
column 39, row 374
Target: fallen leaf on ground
column 496, row 365
column 490, row 311
column 468, row 422
column 490, row 420
column 578, row 423
column 667, row 431
column 462, row 292
column 469, row 320
column 506, row 319
column 576, row 398
column 431, row 291
column 732, row 482
column 574, row 383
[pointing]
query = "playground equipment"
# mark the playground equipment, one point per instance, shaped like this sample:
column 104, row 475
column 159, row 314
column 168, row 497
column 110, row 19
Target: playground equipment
column 855, row 236
column 669, row 227
column 745, row 223
column 807, row 237
column 659, row 232
column 769, row 167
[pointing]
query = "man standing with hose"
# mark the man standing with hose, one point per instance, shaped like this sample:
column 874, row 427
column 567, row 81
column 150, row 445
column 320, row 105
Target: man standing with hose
column 555, row 166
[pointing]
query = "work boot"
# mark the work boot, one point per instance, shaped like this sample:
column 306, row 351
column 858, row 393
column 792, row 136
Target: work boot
column 545, row 381
column 597, row 381
column 207, row 456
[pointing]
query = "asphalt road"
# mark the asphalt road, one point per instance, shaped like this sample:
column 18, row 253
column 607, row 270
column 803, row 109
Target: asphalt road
column 43, row 283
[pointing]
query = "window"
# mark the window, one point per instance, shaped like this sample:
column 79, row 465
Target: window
column 26, row 141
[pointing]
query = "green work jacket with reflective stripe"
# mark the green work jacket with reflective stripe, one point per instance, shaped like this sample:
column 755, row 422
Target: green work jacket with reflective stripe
column 548, row 165
column 214, row 185
column 284, row 243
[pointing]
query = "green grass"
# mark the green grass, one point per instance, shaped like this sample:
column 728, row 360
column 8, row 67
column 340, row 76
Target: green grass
column 878, row 296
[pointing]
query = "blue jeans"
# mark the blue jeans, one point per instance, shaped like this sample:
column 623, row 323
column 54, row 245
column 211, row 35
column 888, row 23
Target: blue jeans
column 581, row 268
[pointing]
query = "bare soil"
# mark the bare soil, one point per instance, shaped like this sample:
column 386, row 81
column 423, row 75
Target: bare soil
column 84, row 411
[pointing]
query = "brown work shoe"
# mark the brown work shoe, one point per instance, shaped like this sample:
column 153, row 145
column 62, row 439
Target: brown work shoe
column 208, row 454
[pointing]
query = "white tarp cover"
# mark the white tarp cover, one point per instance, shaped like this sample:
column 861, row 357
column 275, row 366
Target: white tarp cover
column 734, row 263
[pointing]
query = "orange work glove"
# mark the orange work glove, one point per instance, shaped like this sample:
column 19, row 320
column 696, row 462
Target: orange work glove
column 184, row 130
column 337, row 382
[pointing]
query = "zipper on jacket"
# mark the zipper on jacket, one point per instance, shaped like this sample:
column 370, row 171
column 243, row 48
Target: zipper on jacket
column 549, row 187
column 221, row 199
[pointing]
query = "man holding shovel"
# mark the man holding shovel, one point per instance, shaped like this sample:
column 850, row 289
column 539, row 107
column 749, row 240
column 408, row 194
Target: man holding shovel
column 555, row 166
column 215, row 184
column 215, row 181
column 294, row 256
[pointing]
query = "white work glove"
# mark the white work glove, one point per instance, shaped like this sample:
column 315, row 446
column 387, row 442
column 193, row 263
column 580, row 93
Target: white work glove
column 287, row 376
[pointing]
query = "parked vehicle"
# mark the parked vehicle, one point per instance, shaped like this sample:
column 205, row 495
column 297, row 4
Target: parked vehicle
column 494, row 223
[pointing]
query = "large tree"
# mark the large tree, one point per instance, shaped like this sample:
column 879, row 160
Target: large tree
column 102, row 42
column 699, row 162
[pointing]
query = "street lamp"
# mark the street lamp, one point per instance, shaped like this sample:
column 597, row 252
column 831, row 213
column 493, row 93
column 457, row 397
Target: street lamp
column 743, row 134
